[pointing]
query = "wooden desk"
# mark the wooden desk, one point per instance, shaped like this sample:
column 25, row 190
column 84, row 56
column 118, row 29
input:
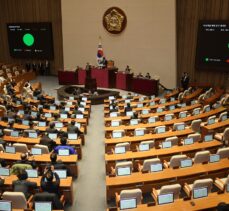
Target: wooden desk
column 167, row 176
column 174, row 93
column 209, row 202
column 214, row 127
column 70, row 160
column 138, row 139
column 111, row 159
column 66, row 185
column 192, row 96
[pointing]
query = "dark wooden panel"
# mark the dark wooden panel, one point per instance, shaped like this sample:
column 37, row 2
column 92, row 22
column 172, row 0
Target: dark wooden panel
column 32, row 11
column 189, row 12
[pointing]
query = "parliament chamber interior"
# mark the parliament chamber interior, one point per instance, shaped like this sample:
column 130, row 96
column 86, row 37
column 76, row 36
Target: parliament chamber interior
column 114, row 105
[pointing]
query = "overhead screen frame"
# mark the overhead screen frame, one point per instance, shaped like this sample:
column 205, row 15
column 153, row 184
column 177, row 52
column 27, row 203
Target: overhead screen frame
column 199, row 67
column 49, row 41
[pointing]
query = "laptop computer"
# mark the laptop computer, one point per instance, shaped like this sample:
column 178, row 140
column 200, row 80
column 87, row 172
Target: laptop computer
column 32, row 173
column 5, row 205
column 165, row 198
column 63, row 152
column 62, row 173
column 200, row 192
column 123, row 171
column 156, row 167
column 130, row 203
column 79, row 116
column 36, row 151
column 43, row 206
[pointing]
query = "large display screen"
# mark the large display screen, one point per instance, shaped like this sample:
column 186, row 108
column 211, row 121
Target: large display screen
column 30, row 40
column 212, row 51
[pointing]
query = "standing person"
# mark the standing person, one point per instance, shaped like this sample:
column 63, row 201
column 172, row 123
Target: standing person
column 185, row 80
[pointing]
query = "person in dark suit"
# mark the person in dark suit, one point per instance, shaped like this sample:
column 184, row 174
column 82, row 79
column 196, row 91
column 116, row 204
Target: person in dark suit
column 114, row 108
column 71, row 128
column 148, row 76
column 45, row 140
column 58, row 164
column 22, row 184
column 128, row 108
column 185, row 80
column 47, row 181
column 51, row 128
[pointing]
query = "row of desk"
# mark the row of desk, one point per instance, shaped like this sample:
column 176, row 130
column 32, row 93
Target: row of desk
column 110, row 78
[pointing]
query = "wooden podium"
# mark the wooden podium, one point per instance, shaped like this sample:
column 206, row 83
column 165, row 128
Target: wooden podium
column 90, row 83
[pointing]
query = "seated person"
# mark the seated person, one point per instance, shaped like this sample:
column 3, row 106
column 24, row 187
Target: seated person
column 25, row 160
column 64, row 145
column 114, row 108
column 127, row 70
column 148, row 76
column 51, row 128
column 22, row 184
column 71, row 127
column 45, row 140
column 58, row 164
column 128, row 108
column 48, row 183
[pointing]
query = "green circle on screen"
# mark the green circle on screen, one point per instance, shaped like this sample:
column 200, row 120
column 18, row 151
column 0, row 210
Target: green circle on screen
column 28, row 39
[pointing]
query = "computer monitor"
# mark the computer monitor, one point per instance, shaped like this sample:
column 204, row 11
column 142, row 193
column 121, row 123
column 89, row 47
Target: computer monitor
column 172, row 107
column 84, row 98
column 211, row 121
column 129, row 113
column 111, row 98
column 21, row 112
column 77, row 124
column 69, row 103
column 161, row 130
column 227, row 187
column 165, row 198
column 152, row 97
column 162, row 101
column 130, row 203
column 40, row 106
column 193, row 102
column 214, row 158
column 33, row 113
column 43, row 206
column 207, row 109
column 67, row 108
column 53, row 108
column 168, row 118
column 188, row 141
column 10, row 149
column 144, row 147
column 79, row 116
column 200, row 192
column 152, row 120
column 180, row 127
column 5, row 205
column 32, row 173
column 71, row 98
column 145, row 111
column 72, row 136
column 172, row 99
column 166, row 144
column 113, row 114
column 159, row 110
column 156, row 167
column 81, row 109
column 32, row 135
column 208, row 137
column 139, row 132
column 18, row 102
column 63, row 116
column 120, row 150
column 183, row 115
column 41, row 124
column 59, row 125
column 117, row 134
column 36, row 151
column 224, row 117
column 115, row 123
column 139, row 105
column 183, row 105
column 52, row 135
column 196, row 112
column 134, row 121
column 83, row 103
column 123, row 171
column 62, row 173
column 185, row 163
column 127, row 101
column 152, row 103
column 14, row 133
column 4, row 171
column 48, row 115
column 63, row 152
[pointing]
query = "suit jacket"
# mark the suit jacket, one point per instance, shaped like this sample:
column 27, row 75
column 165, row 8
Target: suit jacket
column 50, row 187
column 23, row 186
column 45, row 196
column 45, row 140
column 71, row 128
column 52, row 130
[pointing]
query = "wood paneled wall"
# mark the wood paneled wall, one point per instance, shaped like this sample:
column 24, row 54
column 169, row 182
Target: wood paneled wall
column 189, row 12
column 32, row 11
